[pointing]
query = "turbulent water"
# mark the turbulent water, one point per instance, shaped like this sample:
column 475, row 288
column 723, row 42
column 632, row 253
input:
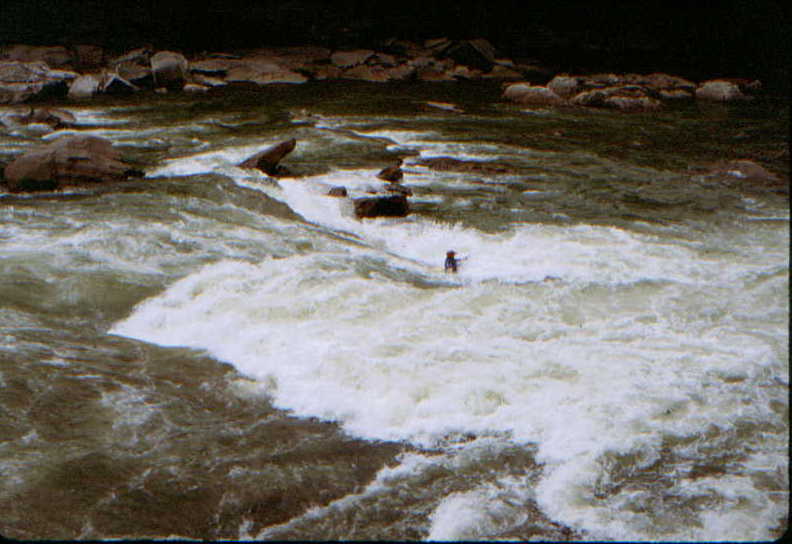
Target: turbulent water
column 211, row 353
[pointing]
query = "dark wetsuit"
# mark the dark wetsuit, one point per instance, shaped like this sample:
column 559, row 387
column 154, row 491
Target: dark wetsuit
column 450, row 264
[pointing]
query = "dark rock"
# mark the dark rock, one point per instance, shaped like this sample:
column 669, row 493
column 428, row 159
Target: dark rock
column 337, row 191
column 627, row 98
column 348, row 59
column 136, row 74
column 268, row 159
column 69, row 160
column 457, row 165
column 392, row 173
column 382, row 206
column 169, row 69
column 478, row 53
column 116, row 85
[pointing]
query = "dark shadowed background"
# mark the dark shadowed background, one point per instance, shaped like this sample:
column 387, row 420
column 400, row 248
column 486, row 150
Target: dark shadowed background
column 731, row 38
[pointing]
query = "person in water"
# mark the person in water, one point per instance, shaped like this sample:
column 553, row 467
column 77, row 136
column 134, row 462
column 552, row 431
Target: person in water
column 451, row 262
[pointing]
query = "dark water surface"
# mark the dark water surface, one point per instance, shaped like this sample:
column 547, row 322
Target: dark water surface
column 210, row 353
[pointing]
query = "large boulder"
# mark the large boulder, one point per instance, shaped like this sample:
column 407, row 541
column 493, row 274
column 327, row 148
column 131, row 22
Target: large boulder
column 564, row 85
column 720, row 90
column 169, row 69
column 267, row 160
column 69, row 160
column 525, row 93
column 381, row 206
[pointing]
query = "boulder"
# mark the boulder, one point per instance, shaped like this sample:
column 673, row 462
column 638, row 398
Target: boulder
column 525, row 93
column 140, row 56
column 564, row 85
column 267, row 160
column 20, row 81
column 84, row 86
column 169, row 69
column 392, row 173
column 69, row 160
column 720, row 90
column 366, row 73
column 136, row 74
column 348, row 59
column 478, row 53
column 381, row 206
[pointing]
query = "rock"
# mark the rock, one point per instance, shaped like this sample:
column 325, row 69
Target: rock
column 381, row 206
column 136, row 74
column 114, row 84
column 56, row 118
column 20, row 81
column 457, row 165
column 564, row 85
column 169, row 69
column 69, row 160
column 720, row 90
column 445, row 106
column 268, row 159
column 500, row 71
column 348, row 59
column 337, row 191
column 214, row 66
column 392, row 173
column 195, row 88
column 524, row 93
column 140, row 56
column 400, row 72
column 84, row 86
column 628, row 98
column 675, row 94
column 478, row 53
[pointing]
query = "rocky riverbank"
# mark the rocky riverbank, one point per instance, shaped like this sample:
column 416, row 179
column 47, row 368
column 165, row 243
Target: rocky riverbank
column 80, row 72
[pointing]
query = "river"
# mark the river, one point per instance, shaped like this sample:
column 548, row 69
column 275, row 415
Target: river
column 210, row 353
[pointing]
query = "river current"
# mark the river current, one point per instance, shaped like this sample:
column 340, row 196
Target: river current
column 211, row 353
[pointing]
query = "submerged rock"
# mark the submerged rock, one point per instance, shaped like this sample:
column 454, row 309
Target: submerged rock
column 338, row 191
column 382, row 206
column 69, row 160
column 267, row 160
column 392, row 173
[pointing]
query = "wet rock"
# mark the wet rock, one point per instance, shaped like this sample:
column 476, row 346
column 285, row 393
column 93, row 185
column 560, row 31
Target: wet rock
column 524, row 93
column 69, row 160
column 366, row 73
column 84, row 86
column 500, row 71
column 141, row 55
column 445, row 106
column 392, row 173
column 136, row 74
column 169, row 69
column 338, row 191
column 382, row 206
column 458, row 165
column 207, row 81
column 195, row 88
column 267, row 160
column 720, row 90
